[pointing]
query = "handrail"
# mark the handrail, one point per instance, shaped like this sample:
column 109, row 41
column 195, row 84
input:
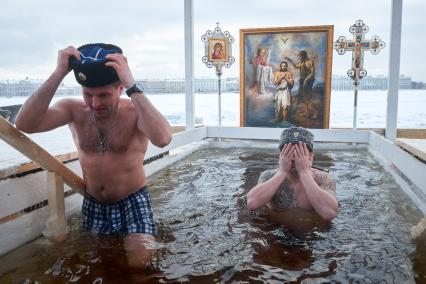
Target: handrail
column 35, row 152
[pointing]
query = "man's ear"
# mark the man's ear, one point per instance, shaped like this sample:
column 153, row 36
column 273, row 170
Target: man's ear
column 121, row 89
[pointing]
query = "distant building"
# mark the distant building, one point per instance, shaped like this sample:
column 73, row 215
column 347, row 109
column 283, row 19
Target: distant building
column 175, row 86
column 206, row 85
column 201, row 85
column 418, row 85
column 25, row 88
column 21, row 88
column 344, row 83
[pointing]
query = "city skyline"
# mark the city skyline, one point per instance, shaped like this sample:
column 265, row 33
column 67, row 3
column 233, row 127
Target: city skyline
column 23, row 88
column 202, row 77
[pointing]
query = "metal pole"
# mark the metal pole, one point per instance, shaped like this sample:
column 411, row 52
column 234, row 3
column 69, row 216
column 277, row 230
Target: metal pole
column 219, row 75
column 356, row 84
column 189, row 66
column 394, row 63
column 220, row 104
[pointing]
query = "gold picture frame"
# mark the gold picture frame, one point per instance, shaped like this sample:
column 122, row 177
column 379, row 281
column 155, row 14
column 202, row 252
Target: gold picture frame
column 285, row 76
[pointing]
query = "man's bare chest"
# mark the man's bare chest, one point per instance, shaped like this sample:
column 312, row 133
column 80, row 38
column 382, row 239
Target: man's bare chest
column 291, row 195
column 114, row 137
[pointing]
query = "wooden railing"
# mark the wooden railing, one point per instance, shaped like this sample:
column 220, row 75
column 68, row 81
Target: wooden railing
column 58, row 174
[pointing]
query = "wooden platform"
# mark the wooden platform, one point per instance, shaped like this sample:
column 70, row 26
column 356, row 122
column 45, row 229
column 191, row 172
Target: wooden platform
column 416, row 147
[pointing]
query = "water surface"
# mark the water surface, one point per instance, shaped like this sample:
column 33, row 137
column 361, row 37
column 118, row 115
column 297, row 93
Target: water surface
column 208, row 235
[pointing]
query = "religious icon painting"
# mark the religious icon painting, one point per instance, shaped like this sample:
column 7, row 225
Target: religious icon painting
column 218, row 49
column 285, row 76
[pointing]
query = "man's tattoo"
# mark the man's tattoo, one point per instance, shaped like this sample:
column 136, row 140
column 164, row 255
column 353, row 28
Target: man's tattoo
column 325, row 182
column 284, row 197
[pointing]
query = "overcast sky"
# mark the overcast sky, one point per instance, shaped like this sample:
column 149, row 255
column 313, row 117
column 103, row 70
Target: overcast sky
column 151, row 33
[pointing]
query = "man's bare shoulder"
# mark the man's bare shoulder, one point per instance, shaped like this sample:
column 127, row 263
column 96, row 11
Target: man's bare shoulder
column 264, row 176
column 70, row 103
column 325, row 181
column 128, row 111
column 74, row 106
column 127, row 104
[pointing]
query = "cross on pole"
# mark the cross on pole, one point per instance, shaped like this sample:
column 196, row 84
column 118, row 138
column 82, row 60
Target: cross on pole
column 358, row 45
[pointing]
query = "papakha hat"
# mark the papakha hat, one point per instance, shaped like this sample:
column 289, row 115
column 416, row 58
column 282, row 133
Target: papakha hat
column 295, row 134
column 90, row 70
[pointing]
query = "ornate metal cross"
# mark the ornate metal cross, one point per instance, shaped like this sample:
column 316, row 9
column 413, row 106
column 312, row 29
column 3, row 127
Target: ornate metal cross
column 358, row 45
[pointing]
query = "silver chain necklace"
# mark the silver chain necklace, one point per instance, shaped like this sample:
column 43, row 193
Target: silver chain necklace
column 102, row 139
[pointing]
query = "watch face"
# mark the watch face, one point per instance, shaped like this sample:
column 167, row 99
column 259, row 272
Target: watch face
column 140, row 87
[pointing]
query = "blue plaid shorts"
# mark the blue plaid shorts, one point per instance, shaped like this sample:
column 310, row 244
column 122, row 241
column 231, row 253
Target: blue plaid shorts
column 132, row 214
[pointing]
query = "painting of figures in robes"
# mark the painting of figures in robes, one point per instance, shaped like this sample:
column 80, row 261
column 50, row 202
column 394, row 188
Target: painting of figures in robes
column 285, row 76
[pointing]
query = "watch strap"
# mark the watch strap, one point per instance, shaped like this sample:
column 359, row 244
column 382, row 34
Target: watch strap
column 133, row 89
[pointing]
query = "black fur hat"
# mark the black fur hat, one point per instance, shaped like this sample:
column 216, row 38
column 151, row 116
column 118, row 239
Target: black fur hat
column 90, row 70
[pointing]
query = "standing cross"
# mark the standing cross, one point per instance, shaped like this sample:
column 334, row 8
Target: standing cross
column 358, row 45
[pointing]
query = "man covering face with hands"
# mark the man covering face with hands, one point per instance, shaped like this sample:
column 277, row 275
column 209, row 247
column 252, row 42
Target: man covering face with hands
column 295, row 184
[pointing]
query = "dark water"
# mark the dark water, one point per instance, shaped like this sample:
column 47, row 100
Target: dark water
column 208, row 235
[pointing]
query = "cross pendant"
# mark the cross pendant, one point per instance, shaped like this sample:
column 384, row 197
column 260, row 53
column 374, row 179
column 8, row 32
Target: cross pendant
column 101, row 149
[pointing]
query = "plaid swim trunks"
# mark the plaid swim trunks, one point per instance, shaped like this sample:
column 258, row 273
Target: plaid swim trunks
column 132, row 214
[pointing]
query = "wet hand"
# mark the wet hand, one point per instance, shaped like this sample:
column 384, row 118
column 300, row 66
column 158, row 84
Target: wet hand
column 63, row 59
column 119, row 63
column 285, row 159
column 301, row 157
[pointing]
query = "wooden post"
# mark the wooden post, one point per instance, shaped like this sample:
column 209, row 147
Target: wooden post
column 419, row 230
column 56, row 225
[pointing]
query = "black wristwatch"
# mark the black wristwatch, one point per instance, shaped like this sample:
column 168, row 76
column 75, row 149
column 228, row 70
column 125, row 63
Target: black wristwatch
column 136, row 88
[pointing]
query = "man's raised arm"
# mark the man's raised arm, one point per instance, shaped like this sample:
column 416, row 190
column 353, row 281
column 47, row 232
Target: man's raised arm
column 150, row 120
column 35, row 114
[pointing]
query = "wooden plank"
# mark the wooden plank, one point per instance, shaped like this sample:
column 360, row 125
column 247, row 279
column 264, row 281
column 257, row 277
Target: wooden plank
column 178, row 128
column 178, row 140
column 56, row 224
column 33, row 151
column 27, row 167
column 411, row 133
column 417, row 147
column 400, row 133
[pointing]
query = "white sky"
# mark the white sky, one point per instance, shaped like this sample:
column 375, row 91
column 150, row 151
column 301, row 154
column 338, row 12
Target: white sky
column 151, row 33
